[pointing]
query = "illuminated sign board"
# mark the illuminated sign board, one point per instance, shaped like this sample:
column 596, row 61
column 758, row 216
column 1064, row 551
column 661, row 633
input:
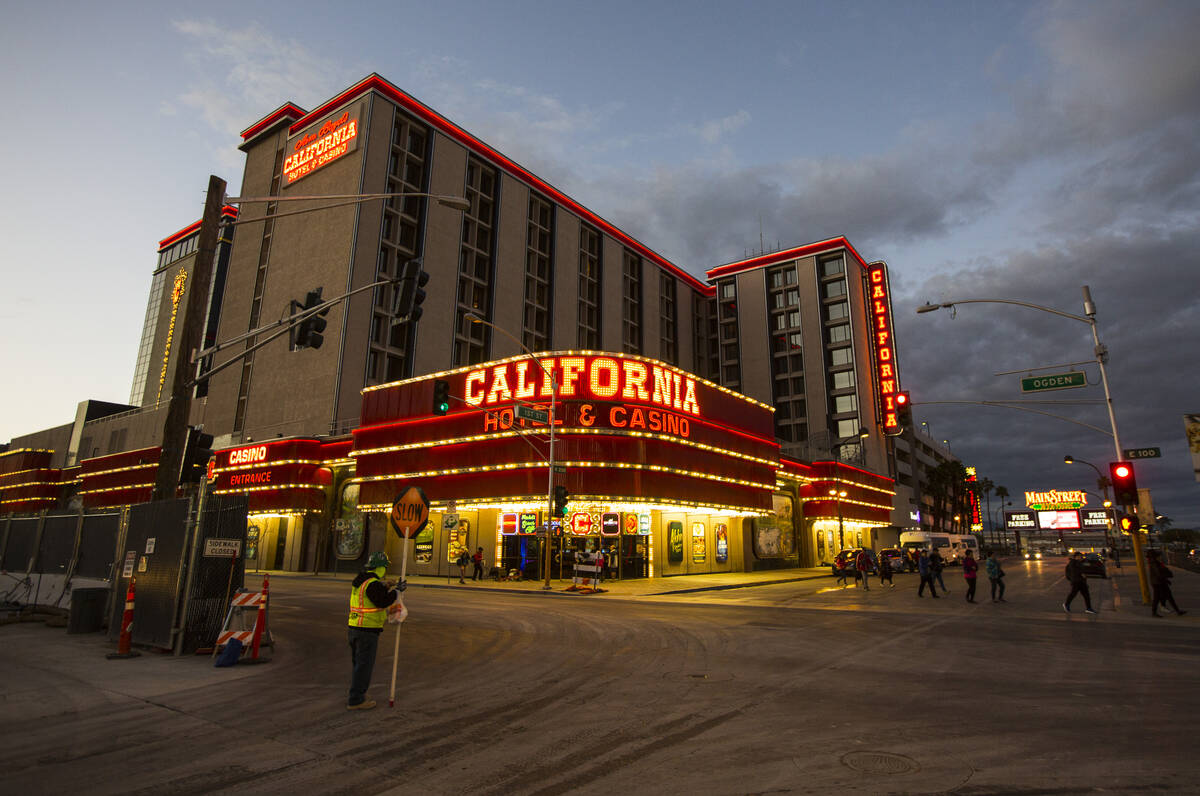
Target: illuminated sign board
column 583, row 377
column 524, row 524
column 1055, row 500
column 316, row 148
column 886, row 379
column 976, row 519
column 1095, row 518
column 1058, row 520
column 176, row 294
column 1020, row 520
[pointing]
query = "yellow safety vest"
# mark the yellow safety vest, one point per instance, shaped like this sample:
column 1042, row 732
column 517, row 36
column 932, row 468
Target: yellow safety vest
column 363, row 612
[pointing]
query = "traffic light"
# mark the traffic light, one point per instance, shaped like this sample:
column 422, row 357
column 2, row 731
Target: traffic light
column 307, row 333
column 441, row 396
column 904, row 409
column 410, row 293
column 1124, row 483
column 196, row 453
column 1128, row 523
column 560, row 501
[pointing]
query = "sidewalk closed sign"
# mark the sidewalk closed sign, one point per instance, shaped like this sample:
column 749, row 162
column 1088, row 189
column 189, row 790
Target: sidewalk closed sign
column 222, row 548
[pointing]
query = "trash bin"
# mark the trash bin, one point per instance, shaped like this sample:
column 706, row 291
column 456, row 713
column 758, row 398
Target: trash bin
column 88, row 607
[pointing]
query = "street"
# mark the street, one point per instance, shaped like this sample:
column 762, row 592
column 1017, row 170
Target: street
column 793, row 687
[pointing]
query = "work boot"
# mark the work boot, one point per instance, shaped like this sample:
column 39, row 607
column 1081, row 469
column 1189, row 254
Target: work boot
column 367, row 705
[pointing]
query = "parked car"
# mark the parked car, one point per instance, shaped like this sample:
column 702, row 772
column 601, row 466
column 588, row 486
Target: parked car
column 896, row 557
column 851, row 555
column 1093, row 566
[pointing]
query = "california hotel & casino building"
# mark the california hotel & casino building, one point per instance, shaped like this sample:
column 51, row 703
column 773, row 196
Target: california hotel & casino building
column 732, row 423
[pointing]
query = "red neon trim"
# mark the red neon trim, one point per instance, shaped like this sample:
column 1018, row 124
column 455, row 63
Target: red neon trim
column 374, row 82
column 228, row 211
column 288, row 109
column 788, row 254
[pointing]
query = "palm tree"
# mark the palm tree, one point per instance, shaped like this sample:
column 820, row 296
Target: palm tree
column 1002, row 496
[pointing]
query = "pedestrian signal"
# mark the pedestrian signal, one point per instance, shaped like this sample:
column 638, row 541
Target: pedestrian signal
column 1128, row 523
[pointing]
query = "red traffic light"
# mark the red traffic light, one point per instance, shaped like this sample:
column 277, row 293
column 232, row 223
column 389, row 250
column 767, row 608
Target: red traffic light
column 1124, row 483
column 901, row 398
column 1121, row 470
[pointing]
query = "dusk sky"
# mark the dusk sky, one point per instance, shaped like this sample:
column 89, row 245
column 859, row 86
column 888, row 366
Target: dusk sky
column 983, row 149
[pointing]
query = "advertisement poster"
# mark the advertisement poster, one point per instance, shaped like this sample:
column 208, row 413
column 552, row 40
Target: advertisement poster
column 610, row 524
column 348, row 529
column 675, row 542
column 722, row 534
column 252, row 533
column 458, row 536
column 423, row 545
column 699, row 543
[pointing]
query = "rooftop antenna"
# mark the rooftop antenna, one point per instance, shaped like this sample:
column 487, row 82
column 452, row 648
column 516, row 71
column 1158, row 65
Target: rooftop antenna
column 762, row 246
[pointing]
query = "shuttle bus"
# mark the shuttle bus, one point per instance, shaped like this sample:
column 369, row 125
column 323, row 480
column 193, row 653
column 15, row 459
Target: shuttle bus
column 951, row 546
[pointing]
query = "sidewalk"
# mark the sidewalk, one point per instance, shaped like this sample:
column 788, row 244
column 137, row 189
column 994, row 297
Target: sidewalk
column 1128, row 594
column 630, row 587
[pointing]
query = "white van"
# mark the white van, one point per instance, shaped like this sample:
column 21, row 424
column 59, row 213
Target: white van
column 951, row 546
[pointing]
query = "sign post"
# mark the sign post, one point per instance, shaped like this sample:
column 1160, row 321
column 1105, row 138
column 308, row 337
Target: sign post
column 1143, row 453
column 409, row 514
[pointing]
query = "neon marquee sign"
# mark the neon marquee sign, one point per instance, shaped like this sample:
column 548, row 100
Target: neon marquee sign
column 310, row 152
column 1056, row 499
column 598, row 378
column 176, row 294
column 883, row 345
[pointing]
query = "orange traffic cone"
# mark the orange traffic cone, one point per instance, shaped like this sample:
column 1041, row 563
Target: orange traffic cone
column 123, row 643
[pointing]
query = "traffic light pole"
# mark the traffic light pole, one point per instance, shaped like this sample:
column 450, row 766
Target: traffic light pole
column 179, row 404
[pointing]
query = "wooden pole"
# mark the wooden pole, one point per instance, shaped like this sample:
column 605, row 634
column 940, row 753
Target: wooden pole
column 400, row 599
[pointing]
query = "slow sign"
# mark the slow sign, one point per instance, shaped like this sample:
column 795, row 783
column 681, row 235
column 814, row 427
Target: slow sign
column 410, row 512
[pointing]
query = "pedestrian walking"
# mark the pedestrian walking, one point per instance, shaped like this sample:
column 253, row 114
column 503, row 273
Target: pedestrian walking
column 995, row 575
column 971, row 574
column 477, row 559
column 936, row 565
column 885, row 571
column 839, row 566
column 463, row 559
column 1116, row 557
column 1160, row 580
column 1079, row 584
column 370, row 596
column 925, row 568
column 862, row 564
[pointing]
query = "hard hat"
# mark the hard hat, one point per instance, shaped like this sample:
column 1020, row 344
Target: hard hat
column 377, row 560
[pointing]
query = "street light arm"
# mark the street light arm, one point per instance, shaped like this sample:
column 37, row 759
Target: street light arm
column 950, row 305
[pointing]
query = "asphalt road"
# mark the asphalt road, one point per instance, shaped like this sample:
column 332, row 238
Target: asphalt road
column 788, row 688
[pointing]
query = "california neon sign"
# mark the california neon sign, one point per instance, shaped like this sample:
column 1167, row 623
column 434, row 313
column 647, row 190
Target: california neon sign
column 599, row 378
column 884, row 347
column 335, row 138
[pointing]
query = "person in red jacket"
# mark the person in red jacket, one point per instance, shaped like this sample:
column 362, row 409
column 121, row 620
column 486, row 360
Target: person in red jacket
column 862, row 562
column 971, row 573
column 839, row 566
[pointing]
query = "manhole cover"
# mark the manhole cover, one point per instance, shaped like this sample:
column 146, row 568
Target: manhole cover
column 879, row 763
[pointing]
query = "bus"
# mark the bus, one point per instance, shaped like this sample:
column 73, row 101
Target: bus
column 951, row 546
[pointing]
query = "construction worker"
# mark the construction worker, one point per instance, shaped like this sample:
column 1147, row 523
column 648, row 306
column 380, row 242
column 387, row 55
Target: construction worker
column 370, row 596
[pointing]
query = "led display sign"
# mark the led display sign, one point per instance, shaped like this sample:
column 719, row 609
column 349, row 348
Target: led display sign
column 314, row 149
column 886, row 379
column 1058, row 520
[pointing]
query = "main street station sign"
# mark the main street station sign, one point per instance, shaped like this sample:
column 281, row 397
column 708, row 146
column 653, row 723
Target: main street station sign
column 1055, row 500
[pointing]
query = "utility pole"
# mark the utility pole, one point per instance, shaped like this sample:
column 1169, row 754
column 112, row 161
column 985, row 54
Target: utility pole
column 179, row 404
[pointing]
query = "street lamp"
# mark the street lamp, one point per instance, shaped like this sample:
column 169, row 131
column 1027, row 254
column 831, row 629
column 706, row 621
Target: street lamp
column 1102, row 482
column 834, row 493
column 473, row 318
column 1101, row 353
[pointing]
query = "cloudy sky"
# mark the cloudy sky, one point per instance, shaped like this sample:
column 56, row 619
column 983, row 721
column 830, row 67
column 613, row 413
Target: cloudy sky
column 983, row 149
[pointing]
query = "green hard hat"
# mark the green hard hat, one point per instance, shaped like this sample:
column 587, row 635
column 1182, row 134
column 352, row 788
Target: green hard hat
column 377, row 560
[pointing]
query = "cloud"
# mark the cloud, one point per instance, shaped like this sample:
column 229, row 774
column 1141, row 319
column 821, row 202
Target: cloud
column 714, row 130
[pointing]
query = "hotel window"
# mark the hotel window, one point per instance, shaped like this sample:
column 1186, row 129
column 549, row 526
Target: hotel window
column 787, row 360
column 475, row 263
column 589, row 288
column 538, row 256
column 260, row 280
column 389, row 357
column 668, row 323
column 704, row 331
column 141, row 371
column 727, row 325
column 631, row 304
